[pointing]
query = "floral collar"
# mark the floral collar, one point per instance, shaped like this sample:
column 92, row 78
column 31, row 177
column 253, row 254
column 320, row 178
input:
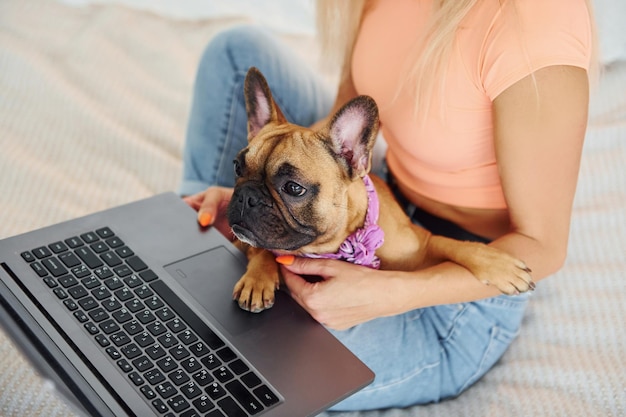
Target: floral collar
column 360, row 247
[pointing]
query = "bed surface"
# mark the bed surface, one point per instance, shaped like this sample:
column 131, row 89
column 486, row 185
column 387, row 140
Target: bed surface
column 93, row 107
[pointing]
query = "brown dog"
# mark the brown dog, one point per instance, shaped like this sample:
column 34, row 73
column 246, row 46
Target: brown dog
column 305, row 193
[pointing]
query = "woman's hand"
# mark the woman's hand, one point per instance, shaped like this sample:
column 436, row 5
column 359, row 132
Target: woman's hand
column 211, row 206
column 347, row 294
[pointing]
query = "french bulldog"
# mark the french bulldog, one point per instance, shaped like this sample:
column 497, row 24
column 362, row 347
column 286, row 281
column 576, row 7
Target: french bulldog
column 309, row 193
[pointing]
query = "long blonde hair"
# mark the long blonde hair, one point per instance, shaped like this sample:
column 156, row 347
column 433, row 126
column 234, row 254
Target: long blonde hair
column 338, row 23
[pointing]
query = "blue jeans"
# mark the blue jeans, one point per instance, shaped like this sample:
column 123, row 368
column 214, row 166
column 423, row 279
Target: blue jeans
column 418, row 357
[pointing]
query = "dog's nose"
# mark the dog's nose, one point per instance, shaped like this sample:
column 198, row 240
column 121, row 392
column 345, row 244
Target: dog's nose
column 252, row 201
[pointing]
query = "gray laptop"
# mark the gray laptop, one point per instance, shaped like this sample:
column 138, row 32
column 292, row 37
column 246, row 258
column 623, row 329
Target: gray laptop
column 129, row 312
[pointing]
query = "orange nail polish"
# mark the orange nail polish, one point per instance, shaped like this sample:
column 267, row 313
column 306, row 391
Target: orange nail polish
column 285, row 259
column 205, row 219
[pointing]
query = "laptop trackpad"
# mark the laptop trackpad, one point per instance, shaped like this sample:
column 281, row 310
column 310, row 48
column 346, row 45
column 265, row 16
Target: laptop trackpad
column 210, row 277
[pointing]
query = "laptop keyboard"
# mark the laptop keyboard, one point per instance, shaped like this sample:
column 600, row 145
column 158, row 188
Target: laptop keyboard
column 176, row 362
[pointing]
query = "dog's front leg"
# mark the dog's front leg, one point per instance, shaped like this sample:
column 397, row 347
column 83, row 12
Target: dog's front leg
column 489, row 265
column 255, row 289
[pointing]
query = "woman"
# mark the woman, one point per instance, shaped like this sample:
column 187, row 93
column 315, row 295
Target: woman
column 483, row 105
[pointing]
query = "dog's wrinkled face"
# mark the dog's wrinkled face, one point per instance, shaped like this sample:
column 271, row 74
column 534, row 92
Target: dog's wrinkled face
column 292, row 183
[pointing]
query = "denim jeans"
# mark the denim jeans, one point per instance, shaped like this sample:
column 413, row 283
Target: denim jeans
column 418, row 357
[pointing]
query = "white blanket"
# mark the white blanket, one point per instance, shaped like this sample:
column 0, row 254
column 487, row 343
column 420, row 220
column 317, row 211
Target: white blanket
column 93, row 107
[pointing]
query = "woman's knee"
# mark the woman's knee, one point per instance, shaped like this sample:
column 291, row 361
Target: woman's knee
column 240, row 46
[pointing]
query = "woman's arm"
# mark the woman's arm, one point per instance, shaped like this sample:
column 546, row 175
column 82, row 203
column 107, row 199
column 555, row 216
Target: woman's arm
column 540, row 124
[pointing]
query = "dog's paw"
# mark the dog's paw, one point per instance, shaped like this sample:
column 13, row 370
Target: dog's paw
column 255, row 294
column 497, row 268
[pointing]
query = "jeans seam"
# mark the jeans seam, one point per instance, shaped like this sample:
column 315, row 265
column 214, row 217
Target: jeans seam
column 401, row 380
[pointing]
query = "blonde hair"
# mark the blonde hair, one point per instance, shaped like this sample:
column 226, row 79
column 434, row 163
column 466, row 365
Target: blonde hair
column 338, row 23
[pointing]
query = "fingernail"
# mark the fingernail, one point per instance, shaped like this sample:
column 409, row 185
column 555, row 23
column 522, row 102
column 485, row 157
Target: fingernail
column 285, row 259
column 205, row 219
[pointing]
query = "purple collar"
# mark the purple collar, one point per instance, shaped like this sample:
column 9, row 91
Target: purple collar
column 360, row 247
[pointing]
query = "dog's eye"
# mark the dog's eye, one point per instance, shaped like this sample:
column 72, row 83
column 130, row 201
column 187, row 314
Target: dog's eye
column 237, row 168
column 294, row 189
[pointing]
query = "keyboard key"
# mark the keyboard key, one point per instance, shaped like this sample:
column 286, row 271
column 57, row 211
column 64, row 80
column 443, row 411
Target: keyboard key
column 60, row 293
column 103, row 272
column 155, row 352
column 99, row 247
column 98, row 314
column 113, row 353
column 89, row 237
column 120, row 339
column 111, row 304
column 81, row 271
column 133, row 327
column 67, row 281
column 131, row 351
column 122, row 271
column 148, row 275
column 58, row 247
column 166, row 389
column 136, row 378
column 154, row 376
column 168, row 340
column 124, row 294
column 109, row 326
column 175, row 325
column 88, row 303
column 211, row 361
column 124, row 365
column 70, row 304
column 144, row 339
column 136, row 263
column 69, row 259
column 146, row 317
column 187, row 337
column 231, row 408
column 55, row 267
column 124, row 252
column 199, row 349
column 50, row 282
column 42, row 252
column 39, row 270
column 111, row 259
column 28, row 256
column 88, row 257
column 167, row 364
column 223, row 374
column 203, row 403
column 154, row 302
column 238, row 367
column 143, row 292
column 215, row 391
column 159, row 405
column 90, row 282
column 178, row 377
column 81, row 316
column 147, row 392
column 178, row 403
column 115, row 242
column 113, row 283
column 101, row 292
column 226, row 354
column 142, row 364
column 251, row 380
column 244, row 397
column 102, row 340
column 179, row 352
column 203, row 377
column 74, row 242
column 156, row 328
column 133, row 281
column 267, row 397
column 191, row 365
column 122, row 316
column 104, row 232
column 166, row 314
column 78, row 291
column 91, row 328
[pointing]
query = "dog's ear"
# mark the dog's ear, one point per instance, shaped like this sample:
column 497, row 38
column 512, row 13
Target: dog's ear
column 353, row 131
column 260, row 105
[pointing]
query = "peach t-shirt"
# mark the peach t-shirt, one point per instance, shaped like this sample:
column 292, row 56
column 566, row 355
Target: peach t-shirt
column 449, row 155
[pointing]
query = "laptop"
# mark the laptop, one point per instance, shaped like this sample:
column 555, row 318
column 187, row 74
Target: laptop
column 129, row 311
